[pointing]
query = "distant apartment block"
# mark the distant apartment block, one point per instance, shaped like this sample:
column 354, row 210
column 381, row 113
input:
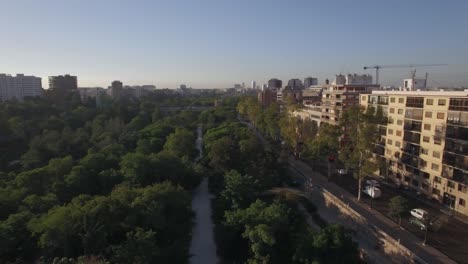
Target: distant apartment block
column 295, row 84
column 63, row 82
column 425, row 142
column 19, row 87
column 309, row 81
column 343, row 93
column 267, row 97
column 116, row 90
column 275, row 84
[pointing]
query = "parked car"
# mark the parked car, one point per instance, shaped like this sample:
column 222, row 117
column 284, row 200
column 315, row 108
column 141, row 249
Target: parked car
column 418, row 222
column 372, row 191
column 342, row 171
column 419, row 213
column 373, row 183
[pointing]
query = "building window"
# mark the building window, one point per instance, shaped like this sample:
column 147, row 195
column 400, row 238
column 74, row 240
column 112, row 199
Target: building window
column 440, row 115
column 390, row 131
column 399, row 122
column 398, row 133
column 436, row 191
column 424, row 151
column 451, row 184
column 401, row 100
column 461, row 202
column 392, row 99
column 363, row 98
column 400, row 111
column 423, row 163
column 397, row 144
column 427, row 127
column 389, row 142
column 437, row 179
column 392, row 110
column 435, row 167
column 428, row 114
column 462, row 188
column 407, row 179
column 425, row 175
column 430, row 101
column 437, row 141
column 426, row 139
column 436, row 154
column 415, row 183
column 425, row 186
column 442, row 101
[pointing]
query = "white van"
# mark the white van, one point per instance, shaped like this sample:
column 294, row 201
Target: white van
column 372, row 191
column 419, row 213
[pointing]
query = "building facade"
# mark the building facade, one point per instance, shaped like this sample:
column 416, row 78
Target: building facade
column 425, row 142
column 295, row 84
column 254, row 85
column 63, row 82
column 19, row 87
column 309, row 81
column 343, row 93
column 275, row 84
column 116, row 90
column 267, row 97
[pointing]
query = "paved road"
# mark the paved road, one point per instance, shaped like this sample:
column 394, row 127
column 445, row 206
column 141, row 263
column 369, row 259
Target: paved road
column 413, row 243
column 203, row 247
column 447, row 234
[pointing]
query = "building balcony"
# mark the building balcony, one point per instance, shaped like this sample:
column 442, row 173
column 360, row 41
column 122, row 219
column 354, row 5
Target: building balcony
column 412, row 149
column 455, row 174
column 454, row 160
column 409, row 160
column 457, row 132
column 412, row 125
column 455, row 146
column 412, row 137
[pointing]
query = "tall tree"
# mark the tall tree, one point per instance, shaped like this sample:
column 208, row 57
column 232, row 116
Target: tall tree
column 181, row 144
column 398, row 207
column 359, row 136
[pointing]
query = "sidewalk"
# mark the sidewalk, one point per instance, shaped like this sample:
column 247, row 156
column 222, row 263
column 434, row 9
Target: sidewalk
column 410, row 241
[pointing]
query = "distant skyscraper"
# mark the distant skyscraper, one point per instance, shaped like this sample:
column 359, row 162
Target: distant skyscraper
column 309, row 81
column 63, row 82
column 19, row 87
column 295, row 84
column 243, row 85
column 116, row 90
column 275, row 84
column 254, row 84
column 183, row 87
column 264, row 87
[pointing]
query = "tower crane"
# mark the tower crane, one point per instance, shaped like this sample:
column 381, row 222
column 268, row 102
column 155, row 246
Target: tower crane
column 378, row 67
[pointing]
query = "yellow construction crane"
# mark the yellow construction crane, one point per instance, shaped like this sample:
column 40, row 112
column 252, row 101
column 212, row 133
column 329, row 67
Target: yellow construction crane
column 378, row 67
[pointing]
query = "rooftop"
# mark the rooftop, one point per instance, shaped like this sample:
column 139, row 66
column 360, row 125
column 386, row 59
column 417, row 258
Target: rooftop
column 423, row 93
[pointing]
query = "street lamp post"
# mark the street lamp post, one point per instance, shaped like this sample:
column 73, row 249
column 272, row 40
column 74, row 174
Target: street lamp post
column 359, row 177
column 426, row 223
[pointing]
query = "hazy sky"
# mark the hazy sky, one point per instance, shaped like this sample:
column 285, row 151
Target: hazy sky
column 216, row 43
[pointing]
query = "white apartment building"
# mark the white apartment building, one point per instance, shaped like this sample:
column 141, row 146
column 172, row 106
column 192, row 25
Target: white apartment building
column 19, row 86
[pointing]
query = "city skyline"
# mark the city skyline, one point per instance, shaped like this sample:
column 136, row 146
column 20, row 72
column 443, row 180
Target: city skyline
column 214, row 44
